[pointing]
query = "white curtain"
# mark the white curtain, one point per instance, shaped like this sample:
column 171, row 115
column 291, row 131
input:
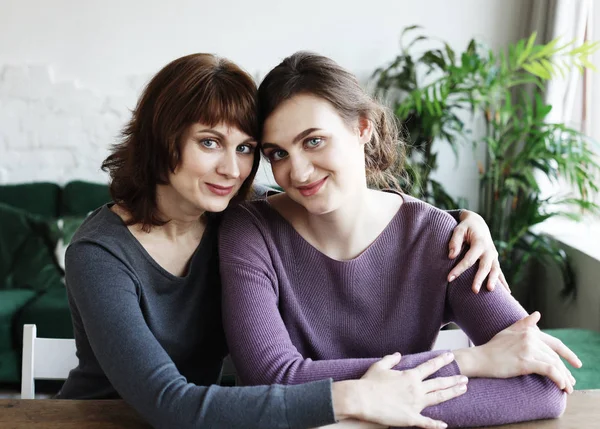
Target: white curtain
column 571, row 96
column 575, row 99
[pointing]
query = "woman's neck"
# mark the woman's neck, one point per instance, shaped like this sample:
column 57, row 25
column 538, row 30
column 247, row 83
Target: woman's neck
column 348, row 231
column 344, row 233
column 183, row 218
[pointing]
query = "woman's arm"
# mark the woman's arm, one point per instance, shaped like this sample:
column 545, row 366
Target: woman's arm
column 104, row 294
column 493, row 401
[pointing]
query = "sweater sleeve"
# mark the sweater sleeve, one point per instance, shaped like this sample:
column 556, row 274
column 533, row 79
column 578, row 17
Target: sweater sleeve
column 258, row 340
column 494, row 401
column 105, row 295
column 455, row 214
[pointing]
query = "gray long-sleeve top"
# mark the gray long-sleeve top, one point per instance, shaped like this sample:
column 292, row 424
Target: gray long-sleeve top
column 156, row 340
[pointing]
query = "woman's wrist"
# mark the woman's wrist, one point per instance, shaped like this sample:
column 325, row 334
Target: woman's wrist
column 344, row 399
column 469, row 361
column 347, row 397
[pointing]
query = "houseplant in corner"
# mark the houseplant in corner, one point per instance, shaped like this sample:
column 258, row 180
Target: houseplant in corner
column 433, row 90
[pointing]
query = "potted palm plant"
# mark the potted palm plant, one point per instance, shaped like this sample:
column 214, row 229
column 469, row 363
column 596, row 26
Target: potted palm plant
column 506, row 92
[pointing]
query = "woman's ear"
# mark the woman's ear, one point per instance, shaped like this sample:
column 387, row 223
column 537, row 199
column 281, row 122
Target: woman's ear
column 365, row 130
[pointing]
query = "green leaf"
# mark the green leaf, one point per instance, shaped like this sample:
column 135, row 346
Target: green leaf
column 546, row 50
column 536, row 69
column 410, row 28
column 450, row 53
column 587, row 64
column 527, row 50
column 548, row 66
column 416, row 40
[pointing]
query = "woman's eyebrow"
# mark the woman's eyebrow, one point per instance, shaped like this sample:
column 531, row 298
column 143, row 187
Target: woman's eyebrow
column 211, row 131
column 299, row 137
column 304, row 134
column 222, row 136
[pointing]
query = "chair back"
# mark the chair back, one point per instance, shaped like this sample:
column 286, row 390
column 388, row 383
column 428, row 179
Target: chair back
column 452, row 339
column 44, row 359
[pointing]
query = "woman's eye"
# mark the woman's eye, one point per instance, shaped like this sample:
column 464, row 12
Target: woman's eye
column 314, row 142
column 277, row 155
column 209, row 143
column 245, row 148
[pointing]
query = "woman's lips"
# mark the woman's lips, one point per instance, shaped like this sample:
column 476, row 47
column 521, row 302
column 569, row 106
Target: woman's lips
column 312, row 188
column 219, row 190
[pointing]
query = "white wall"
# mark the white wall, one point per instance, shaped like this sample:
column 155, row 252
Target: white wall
column 582, row 312
column 71, row 69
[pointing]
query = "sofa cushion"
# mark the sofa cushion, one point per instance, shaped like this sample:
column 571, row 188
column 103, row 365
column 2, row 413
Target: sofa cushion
column 26, row 251
column 49, row 312
column 586, row 345
column 37, row 198
column 35, row 267
column 11, row 303
column 14, row 231
column 79, row 198
column 10, row 364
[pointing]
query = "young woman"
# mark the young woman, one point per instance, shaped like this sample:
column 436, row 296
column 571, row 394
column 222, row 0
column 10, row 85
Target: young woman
column 333, row 275
column 143, row 281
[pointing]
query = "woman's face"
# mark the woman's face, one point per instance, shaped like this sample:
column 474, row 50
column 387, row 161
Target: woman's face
column 214, row 163
column 316, row 157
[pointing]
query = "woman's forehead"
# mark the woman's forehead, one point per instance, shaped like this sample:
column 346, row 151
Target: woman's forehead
column 299, row 113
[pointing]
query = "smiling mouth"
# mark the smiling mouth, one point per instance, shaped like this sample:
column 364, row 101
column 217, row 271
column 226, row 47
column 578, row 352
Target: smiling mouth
column 219, row 190
column 312, row 188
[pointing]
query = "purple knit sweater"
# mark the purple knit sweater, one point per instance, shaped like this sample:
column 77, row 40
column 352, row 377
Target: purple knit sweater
column 292, row 314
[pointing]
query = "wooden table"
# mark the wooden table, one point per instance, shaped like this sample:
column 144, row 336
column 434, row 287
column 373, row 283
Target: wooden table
column 65, row 414
column 583, row 411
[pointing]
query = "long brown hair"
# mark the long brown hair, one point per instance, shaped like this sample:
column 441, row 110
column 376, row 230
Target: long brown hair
column 195, row 88
column 310, row 73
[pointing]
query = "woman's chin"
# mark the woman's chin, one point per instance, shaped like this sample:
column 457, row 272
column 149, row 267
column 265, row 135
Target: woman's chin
column 316, row 207
column 217, row 206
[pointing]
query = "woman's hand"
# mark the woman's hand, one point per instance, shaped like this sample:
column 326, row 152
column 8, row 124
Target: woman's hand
column 396, row 398
column 520, row 349
column 473, row 230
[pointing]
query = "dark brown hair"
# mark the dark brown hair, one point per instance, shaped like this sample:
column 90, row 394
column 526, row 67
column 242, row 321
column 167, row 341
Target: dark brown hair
column 195, row 88
column 310, row 73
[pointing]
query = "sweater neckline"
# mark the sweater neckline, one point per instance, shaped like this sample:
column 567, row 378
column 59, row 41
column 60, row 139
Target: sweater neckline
column 376, row 243
column 108, row 212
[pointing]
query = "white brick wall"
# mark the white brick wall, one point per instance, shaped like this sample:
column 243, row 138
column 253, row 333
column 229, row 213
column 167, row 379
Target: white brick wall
column 59, row 131
column 56, row 131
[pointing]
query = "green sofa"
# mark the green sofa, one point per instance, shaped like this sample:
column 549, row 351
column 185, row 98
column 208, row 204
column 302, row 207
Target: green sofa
column 31, row 278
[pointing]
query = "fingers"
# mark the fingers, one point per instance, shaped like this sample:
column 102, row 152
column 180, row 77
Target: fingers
column 440, row 383
column 551, row 357
column 427, row 423
column 529, row 321
column 456, row 242
column 431, row 366
column 548, row 370
column 494, row 276
column 485, row 266
column 562, row 350
column 439, row 396
column 470, row 258
column 388, row 361
column 504, row 282
column 545, row 361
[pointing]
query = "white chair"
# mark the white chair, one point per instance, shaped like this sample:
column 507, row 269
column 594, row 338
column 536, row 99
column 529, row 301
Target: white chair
column 452, row 339
column 44, row 359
